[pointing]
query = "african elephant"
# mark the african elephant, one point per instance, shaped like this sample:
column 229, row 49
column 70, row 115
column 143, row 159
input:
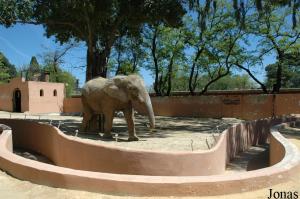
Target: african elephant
column 120, row 93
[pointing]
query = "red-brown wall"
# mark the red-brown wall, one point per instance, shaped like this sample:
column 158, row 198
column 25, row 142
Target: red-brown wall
column 244, row 106
column 72, row 105
column 47, row 103
column 6, row 95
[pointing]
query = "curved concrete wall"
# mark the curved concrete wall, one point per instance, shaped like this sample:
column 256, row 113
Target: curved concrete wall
column 241, row 136
column 280, row 149
column 144, row 184
column 75, row 153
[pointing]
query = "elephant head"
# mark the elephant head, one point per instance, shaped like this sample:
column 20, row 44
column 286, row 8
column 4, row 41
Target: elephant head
column 131, row 89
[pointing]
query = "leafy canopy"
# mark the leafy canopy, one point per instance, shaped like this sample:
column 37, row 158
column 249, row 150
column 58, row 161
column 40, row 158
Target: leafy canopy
column 7, row 70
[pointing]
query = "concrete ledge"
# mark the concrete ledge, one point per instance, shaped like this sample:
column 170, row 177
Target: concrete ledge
column 155, row 185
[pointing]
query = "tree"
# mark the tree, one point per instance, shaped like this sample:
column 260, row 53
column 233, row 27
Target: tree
column 277, row 35
column 290, row 72
column 7, row 70
column 127, row 55
column 4, row 74
column 233, row 82
column 52, row 61
column 262, row 7
column 61, row 76
column 33, row 71
column 215, row 40
column 13, row 11
column 293, row 4
column 56, row 57
column 97, row 23
column 166, row 46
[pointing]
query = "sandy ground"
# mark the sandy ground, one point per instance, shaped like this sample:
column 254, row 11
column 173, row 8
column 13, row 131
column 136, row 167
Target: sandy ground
column 13, row 188
column 170, row 134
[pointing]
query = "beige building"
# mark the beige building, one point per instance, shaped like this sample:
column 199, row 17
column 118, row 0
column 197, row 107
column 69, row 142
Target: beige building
column 32, row 96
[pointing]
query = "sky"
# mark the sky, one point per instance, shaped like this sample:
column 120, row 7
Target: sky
column 20, row 42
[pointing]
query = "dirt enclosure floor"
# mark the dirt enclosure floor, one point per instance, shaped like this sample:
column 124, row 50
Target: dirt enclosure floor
column 171, row 134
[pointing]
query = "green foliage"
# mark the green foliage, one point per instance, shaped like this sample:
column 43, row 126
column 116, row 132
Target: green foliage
column 7, row 70
column 106, row 18
column 180, row 83
column 97, row 23
column 216, row 45
column 127, row 55
column 12, row 11
column 4, row 75
column 197, row 52
column 233, row 82
column 100, row 23
column 126, row 68
column 277, row 35
column 290, row 72
column 229, row 82
column 165, row 47
column 33, row 71
column 69, row 80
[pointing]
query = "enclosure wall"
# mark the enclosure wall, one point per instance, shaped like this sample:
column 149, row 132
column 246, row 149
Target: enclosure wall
column 80, row 154
column 144, row 185
column 243, row 105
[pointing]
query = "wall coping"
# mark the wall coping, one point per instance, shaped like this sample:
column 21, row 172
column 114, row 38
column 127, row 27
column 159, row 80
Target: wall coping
column 223, row 92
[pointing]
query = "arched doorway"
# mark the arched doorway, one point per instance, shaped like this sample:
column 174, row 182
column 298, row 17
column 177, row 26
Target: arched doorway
column 17, row 101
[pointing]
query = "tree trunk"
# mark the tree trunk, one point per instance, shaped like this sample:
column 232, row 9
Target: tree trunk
column 119, row 64
column 153, row 52
column 97, row 62
column 263, row 87
column 170, row 68
column 277, row 86
column 134, row 64
column 204, row 90
column 193, row 78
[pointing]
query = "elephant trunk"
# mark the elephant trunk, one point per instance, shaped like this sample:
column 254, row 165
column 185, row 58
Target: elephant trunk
column 150, row 112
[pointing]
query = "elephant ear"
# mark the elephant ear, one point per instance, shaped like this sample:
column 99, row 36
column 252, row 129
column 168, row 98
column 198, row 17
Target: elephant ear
column 115, row 92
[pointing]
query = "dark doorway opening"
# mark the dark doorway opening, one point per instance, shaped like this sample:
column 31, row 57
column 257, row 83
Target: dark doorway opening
column 17, row 101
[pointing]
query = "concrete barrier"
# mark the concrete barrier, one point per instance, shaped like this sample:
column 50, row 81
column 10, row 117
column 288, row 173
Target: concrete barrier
column 80, row 164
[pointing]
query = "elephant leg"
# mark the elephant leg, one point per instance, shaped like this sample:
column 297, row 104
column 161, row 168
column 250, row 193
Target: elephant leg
column 129, row 115
column 87, row 116
column 108, row 121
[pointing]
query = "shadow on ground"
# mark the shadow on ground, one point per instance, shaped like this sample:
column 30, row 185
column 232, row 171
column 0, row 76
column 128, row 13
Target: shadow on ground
column 291, row 132
column 165, row 127
column 256, row 157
